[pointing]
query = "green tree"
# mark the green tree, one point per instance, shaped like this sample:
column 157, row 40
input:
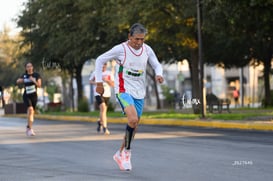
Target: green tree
column 237, row 34
column 172, row 31
column 68, row 32
column 9, row 58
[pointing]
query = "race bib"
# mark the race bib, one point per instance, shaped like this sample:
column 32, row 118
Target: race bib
column 134, row 74
column 30, row 89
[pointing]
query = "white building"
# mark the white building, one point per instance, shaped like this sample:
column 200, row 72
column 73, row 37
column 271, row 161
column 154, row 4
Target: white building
column 221, row 82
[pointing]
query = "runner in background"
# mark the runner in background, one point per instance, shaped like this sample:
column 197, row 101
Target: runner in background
column 103, row 100
column 31, row 81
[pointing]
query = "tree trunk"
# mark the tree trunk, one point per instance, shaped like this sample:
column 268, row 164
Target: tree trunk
column 267, row 67
column 66, row 90
column 72, row 91
column 79, row 81
column 194, row 70
column 158, row 105
column 151, row 74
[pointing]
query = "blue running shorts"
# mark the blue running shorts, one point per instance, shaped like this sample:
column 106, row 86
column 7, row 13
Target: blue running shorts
column 127, row 100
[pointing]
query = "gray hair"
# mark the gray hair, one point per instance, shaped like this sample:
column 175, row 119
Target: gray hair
column 137, row 28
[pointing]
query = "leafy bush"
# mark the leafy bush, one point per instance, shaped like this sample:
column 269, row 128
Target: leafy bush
column 111, row 107
column 271, row 100
column 83, row 105
column 167, row 92
column 51, row 89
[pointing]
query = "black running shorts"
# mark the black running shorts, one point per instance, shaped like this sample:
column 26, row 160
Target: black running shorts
column 100, row 99
column 30, row 100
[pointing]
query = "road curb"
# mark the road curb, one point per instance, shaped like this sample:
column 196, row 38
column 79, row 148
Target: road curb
column 246, row 125
column 212, row 124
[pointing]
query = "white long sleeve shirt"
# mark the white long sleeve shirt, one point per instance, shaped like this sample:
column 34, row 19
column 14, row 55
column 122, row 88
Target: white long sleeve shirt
column 130, row 74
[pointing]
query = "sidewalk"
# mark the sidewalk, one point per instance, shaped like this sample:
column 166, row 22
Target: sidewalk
column 262, row 124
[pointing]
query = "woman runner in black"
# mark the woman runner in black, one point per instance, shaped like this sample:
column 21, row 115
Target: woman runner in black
column 31, row 81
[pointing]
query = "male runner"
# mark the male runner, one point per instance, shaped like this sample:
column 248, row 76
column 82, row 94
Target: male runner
column 132, row 57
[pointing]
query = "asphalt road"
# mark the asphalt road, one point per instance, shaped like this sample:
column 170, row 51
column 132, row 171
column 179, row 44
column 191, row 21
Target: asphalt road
column 74, row 151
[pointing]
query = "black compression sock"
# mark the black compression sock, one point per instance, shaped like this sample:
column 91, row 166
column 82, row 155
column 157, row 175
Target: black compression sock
column 128, row 136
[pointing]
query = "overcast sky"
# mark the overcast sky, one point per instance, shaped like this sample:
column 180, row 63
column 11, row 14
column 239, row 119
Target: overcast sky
column 10, row 9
